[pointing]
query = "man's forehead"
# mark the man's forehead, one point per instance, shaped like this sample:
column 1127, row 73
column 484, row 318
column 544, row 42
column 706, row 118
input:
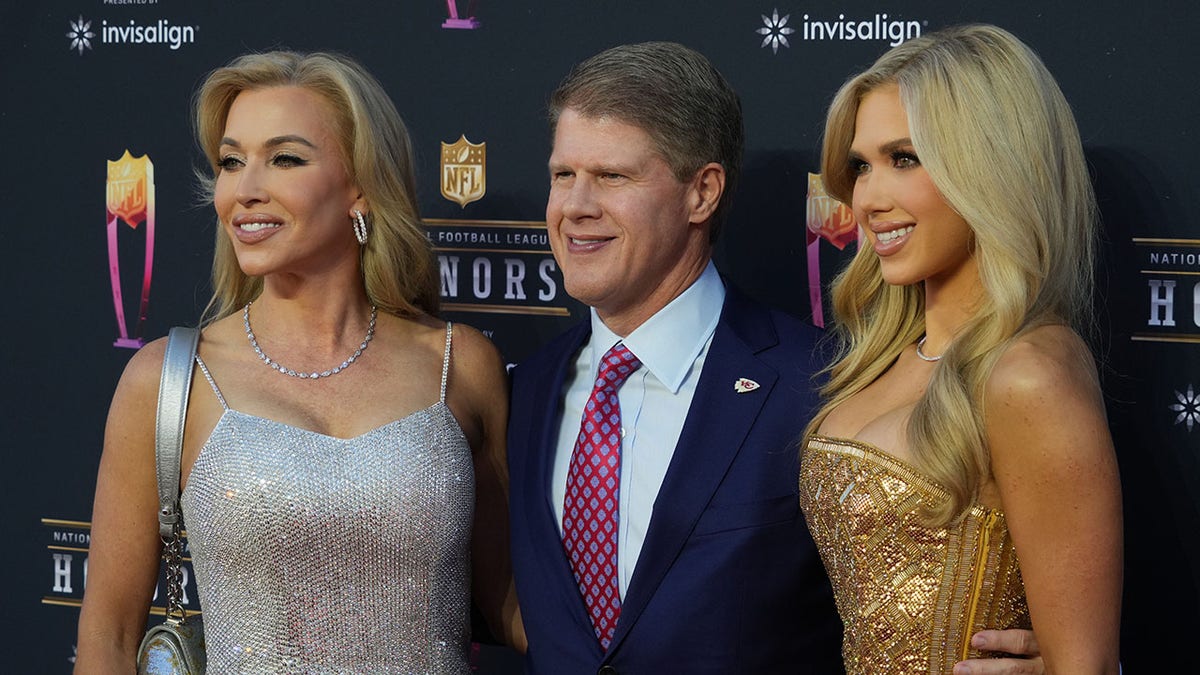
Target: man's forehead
column 575, row 128
column 604, row 119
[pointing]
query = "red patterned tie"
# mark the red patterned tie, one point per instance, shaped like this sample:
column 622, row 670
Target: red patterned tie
column 591, row 504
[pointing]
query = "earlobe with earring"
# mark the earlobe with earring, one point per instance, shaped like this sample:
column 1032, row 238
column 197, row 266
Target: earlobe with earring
column 359, row 221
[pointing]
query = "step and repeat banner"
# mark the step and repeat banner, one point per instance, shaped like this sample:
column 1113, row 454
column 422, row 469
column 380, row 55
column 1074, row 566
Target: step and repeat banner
column 107, row 241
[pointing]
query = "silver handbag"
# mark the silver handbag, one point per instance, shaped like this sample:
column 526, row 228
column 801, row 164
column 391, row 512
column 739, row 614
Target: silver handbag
column 175, row 646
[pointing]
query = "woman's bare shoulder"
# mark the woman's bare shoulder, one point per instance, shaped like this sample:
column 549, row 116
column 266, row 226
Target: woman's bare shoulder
column 1050, row 360
column 1043, row 406
column 143, row 371
column 471, row 352
column 474, row 347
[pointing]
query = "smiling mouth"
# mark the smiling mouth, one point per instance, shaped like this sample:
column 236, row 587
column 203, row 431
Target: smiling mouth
column 893, row 235
column 257, row 227
column 587, row 245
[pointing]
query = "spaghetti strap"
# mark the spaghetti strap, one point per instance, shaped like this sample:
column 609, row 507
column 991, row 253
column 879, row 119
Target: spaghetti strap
column 212, row 383
column 445, row 361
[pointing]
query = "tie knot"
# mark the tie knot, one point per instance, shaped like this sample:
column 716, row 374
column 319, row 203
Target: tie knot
column 618, row 363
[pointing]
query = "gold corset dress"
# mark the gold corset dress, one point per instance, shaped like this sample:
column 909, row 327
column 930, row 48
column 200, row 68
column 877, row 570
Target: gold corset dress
column 910, row 596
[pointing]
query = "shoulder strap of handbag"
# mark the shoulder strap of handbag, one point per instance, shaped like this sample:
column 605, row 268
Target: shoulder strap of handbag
column 173, row 389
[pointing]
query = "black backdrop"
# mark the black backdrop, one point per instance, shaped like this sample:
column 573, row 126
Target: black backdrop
column 85, row 80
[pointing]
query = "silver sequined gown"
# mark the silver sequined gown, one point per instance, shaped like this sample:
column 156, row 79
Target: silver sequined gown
column 316, row 554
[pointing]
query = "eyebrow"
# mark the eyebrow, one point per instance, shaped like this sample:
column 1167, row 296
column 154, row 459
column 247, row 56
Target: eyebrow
column 597, row 168
column 885, row 149
column 273, row 142
column 898, row 144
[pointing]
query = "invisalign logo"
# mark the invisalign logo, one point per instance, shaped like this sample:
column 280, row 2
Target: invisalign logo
column 161, row 32
column 81, row 34
column 877, row 27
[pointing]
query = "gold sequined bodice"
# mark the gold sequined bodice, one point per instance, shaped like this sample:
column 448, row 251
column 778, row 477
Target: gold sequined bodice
column 910, row 595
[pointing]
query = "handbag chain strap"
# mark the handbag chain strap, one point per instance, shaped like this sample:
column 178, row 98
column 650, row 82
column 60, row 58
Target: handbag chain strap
column 173, row 389
column 173, row 557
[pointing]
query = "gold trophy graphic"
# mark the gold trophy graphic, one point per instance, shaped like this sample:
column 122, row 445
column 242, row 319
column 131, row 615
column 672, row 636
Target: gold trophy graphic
column 464, row 171
column 129, row 198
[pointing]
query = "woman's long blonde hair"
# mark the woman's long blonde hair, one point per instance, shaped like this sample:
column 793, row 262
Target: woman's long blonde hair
column 997, row 137
column 398, row 267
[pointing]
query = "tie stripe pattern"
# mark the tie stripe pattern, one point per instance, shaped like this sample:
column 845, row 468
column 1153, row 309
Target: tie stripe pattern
column 590, row 509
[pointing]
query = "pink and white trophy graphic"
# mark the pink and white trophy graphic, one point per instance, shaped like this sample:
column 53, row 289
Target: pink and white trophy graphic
column 129, row 197
column 826, row 218
column 456, row 20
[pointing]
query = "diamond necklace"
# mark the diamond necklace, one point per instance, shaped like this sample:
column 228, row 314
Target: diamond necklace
column 313, row 375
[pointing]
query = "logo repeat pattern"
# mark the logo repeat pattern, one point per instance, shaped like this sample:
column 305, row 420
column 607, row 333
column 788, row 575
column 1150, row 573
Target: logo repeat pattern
column 591, row 506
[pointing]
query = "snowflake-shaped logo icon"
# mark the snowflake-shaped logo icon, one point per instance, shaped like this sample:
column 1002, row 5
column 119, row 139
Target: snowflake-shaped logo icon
column 1188, row 408
column 775, row 30
column 81, row 34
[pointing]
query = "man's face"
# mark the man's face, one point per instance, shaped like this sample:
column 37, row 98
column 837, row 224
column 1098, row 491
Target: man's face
column 628, row 235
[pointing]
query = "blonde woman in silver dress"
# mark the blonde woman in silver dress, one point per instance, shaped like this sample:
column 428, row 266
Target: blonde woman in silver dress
column 960, row 474
column 343, row 449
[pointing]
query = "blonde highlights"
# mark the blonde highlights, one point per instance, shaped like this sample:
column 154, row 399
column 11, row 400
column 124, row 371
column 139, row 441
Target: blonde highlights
column 397, row 262
column 998, row 139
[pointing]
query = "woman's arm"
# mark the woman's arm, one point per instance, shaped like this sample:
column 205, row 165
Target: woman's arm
column 478, row 369
column 124, row 550
column 1053, row 463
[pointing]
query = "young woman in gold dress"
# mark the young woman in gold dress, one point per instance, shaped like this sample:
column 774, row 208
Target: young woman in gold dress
column 960, row 474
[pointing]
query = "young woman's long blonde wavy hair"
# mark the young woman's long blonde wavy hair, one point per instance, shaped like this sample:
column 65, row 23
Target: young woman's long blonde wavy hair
column 997, row 137
column 398, row 267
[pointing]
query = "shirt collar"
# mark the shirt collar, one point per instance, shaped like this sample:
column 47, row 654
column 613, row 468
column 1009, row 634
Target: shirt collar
column 669, row 342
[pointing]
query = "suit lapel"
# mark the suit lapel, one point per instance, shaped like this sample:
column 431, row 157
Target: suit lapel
column 546, row 385
column 718, row 421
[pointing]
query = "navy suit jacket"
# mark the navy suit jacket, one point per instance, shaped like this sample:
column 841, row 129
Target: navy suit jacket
column 728, row 580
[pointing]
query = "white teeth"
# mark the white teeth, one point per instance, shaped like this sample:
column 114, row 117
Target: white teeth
column 256, row 227
column 892, row 235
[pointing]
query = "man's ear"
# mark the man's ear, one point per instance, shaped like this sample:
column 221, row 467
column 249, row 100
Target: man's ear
column 707, row 187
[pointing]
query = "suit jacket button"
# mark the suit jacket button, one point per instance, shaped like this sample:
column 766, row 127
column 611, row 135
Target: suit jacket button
column 607, row 670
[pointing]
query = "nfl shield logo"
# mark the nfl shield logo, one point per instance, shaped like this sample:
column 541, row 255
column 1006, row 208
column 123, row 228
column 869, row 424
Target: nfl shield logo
column 127, row 192
column 828, row 218
column 464, row 171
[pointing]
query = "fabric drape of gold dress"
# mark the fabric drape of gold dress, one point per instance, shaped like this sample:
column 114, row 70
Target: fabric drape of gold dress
column 910, row 595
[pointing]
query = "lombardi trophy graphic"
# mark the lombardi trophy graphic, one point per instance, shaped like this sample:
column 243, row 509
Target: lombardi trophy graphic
column 129, row 197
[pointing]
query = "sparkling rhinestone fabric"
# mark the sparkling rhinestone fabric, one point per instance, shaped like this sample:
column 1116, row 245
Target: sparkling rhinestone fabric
column 910, row 596
column 316, row 554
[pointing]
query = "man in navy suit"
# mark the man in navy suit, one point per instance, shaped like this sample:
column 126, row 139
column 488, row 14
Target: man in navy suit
column 715, row 570
column 664, row 536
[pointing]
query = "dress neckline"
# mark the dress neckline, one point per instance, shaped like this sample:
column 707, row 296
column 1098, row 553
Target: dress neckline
column 880, row 456
column 893, row 465
column 318, row 434
column 337, row 440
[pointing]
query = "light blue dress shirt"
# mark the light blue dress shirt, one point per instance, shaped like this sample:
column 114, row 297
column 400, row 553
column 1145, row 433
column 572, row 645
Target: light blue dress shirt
column 672, row 345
